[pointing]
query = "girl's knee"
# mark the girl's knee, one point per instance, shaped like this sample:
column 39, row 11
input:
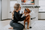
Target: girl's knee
column 22, row 27
column 11, row 23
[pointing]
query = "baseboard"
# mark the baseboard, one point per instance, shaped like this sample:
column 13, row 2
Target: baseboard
column 41, row 12
column 6, row 19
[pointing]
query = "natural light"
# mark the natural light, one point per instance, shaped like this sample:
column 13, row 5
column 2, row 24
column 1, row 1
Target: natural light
column 42, row 5
column 12, row 3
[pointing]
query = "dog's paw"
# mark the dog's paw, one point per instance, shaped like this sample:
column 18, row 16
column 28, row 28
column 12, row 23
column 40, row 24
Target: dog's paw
column 27, row 28
column 30, row 27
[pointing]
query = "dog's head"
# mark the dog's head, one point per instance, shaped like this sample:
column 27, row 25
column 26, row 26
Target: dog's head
column 27, row 10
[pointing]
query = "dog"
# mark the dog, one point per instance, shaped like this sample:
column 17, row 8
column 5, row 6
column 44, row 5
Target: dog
column 27, row 19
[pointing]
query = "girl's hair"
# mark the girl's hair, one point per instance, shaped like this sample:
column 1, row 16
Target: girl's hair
column 16, row 6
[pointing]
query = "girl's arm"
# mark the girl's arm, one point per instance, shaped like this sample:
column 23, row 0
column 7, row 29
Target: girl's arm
column 20, row 14
column 23, row 18
column 19, row 18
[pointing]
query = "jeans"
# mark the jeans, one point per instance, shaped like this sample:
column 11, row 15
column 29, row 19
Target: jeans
column 16, row 26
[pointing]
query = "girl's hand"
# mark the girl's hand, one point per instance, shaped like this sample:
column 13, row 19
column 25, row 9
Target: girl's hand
column 22, row 13
column 26, row 15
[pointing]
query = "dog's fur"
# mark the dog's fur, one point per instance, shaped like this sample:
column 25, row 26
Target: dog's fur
column 27, row 19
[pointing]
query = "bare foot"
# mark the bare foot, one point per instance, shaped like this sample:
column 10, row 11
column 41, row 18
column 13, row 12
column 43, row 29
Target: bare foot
column 11, row 28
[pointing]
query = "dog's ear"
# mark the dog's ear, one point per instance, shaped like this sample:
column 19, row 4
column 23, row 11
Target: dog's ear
column 30, row 11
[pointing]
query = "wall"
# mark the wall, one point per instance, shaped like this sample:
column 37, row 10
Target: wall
column 0, row 10
column 41, row 16
column 4, row 9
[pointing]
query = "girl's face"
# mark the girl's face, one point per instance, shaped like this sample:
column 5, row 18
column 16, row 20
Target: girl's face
column 19, row 8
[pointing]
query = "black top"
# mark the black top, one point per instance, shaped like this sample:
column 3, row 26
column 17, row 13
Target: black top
column 17, row 17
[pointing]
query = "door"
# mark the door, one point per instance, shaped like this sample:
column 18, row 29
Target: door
column 12, row 3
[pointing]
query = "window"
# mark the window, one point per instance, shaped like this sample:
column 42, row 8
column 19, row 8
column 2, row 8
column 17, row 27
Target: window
column 42, row 5
column 12, row 3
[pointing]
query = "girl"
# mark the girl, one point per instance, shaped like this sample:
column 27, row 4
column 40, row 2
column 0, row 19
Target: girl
column 16, row 16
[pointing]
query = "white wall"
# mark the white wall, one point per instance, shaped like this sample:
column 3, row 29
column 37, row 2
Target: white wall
column 42, row 9
column 0, row 10
column 4, row 9
column 41, row 16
